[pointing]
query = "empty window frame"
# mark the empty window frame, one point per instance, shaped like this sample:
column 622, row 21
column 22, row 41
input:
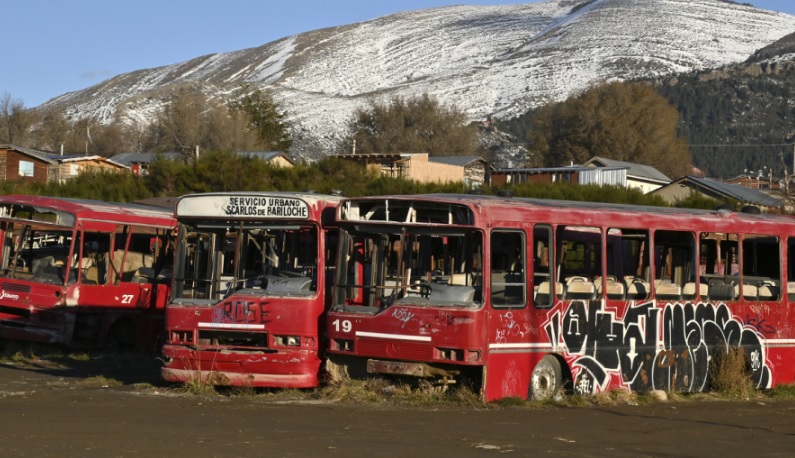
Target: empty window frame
column 508, row 273
column 543, row 267
column 627, row 265
column 761, row 268
column 719, row 265
column 579, row 256
column 674, row 263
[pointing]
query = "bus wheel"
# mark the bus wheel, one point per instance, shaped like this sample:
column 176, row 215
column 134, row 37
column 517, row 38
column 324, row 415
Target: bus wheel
column 547, row 378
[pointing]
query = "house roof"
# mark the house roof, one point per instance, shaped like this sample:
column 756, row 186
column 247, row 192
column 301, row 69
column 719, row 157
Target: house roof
column 732, row 191
column 455, row 160
column 128, row 159
column 145, row 158
column 540, row 170
column 636, row 171
column 35, row 154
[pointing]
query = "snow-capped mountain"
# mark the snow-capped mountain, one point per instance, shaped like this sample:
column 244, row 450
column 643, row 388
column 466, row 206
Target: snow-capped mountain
column 487, row 60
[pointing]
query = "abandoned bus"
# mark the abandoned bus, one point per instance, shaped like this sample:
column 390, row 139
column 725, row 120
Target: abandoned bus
column 251, row 286
column 523, row 297
column 84, row 273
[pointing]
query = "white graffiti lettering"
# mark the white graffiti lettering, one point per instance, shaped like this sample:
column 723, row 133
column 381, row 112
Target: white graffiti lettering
column 668, row 348
column 6, row 295
column 403, row 315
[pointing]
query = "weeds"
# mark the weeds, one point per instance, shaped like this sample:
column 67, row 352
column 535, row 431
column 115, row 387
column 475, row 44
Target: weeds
column 99, row 381
column 730, row 374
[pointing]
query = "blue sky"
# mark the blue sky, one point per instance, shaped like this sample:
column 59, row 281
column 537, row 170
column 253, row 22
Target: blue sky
column 63, row 46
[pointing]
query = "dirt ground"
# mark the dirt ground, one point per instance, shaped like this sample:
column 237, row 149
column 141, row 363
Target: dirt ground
column 46, row 411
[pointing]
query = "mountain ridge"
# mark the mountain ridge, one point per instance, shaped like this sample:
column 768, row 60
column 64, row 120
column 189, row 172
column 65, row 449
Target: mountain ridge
column 487, row 60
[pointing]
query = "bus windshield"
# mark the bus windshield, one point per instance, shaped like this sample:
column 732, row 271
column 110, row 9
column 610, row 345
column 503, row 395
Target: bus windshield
column 216, row 260
column 35, row 252
column 409, row 265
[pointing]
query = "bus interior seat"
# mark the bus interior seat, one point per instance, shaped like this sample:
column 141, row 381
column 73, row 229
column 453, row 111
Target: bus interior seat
column 768, row 291
column 143, row 275
column 750, row 292
column 542, row 296
column 91, row 275
column 664, row 289
column 611, row 286
column 721, row 291
column 580, row 288
column 791, row 290
column 39, row 264
column 460, row 279
column 689, row 290
column 638, row 289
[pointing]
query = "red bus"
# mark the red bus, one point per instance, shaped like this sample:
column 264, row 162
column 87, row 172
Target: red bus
column 84, row 273
column 250, row 292
column 522, row 297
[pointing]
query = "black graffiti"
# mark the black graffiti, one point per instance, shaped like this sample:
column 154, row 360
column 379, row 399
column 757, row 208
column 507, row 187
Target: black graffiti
column 667, row 348
column 760, row 324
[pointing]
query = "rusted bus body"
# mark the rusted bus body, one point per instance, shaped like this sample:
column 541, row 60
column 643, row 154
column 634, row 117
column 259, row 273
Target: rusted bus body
column 520, row 297
column 251, row 289
column 84, row 273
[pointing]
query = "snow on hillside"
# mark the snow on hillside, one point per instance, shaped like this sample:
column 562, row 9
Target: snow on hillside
column 495, row 60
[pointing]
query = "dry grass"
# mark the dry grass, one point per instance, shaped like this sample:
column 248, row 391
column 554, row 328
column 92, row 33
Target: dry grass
column 730, row 375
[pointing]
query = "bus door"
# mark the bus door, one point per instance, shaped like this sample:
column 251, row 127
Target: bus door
column 511, row 331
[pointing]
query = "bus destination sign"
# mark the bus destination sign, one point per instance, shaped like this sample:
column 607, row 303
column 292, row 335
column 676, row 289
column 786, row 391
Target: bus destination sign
column 243, row 206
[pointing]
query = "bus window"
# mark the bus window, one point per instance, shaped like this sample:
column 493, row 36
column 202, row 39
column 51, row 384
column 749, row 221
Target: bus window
column 761, row 263
column 90, row 264
column 508, row 274
column 791, row 269
column 674, row 263
column 579, row 261
column 627, row 261
column 542, row 267
column 422, row 266
column 719, row 267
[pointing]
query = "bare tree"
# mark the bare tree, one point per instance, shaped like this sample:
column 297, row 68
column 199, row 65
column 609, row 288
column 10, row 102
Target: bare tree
column 419, row 125
column 15, row 120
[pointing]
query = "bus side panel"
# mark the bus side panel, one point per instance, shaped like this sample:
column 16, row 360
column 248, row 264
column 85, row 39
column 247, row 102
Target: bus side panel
column 508, row 374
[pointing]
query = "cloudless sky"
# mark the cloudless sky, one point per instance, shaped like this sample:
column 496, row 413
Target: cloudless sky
column 53, row 47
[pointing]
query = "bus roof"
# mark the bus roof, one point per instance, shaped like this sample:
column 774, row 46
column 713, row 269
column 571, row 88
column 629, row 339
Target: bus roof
column 476, row 203
column 93, row 209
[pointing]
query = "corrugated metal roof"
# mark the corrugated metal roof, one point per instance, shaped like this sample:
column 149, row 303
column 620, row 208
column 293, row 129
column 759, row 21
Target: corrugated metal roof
column 455, row 160
column 635, row 170
column 739, row 193
column 139, row 158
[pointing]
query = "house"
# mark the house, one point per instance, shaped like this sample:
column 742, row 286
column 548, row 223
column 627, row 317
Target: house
column 19, row 163
column 576, row 174
column 473, row 171
column 69, row 166
column 641, row 176
column 139, row 162
column 718, row 190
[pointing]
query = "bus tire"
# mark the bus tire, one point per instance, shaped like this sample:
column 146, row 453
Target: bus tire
column 547, row 378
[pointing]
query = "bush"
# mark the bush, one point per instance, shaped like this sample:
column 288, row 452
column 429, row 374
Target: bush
column 730, row 374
